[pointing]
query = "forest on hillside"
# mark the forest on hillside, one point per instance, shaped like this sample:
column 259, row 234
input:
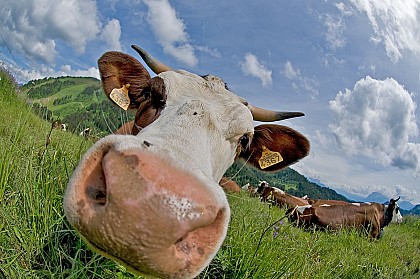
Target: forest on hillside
column 78, row 102
column 287, row 180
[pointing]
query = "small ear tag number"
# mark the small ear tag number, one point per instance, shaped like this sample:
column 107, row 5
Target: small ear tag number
column 120, row 96
column 269, row 158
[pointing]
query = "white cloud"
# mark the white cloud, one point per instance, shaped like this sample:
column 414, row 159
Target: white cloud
column 170, row 31
column 111, row 35
column 377, row 119
column 335, row 27
column 395, row 24
column 333, row 168
column 34, row 27
column 251, row 66
column 212, row 52
column 343, row 9
column 289, row 72
column 22, row 76
column 300, row 82
column 66, row 70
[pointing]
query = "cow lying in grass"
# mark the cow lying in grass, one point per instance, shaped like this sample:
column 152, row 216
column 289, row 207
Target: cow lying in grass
column 372, row 217
column 151, row 200
column 278, row 197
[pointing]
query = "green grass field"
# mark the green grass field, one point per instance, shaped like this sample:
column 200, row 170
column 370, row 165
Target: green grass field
column 37, row 242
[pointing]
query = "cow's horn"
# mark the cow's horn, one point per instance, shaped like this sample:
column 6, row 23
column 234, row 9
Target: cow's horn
column 155, row 65
column 265, row 115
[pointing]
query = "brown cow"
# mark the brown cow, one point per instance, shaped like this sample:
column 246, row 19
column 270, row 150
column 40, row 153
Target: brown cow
column 372, row 217
column 320, row 202
column 229, row 185
column 151, row 200
column 281, row 198
column 251, row 190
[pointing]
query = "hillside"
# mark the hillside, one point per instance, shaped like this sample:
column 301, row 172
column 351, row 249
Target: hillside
column 78, row 102
column 288, row 180
column 415, row 210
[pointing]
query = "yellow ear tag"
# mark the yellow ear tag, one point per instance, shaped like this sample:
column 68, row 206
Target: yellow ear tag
column 269, row 158
column 120, row 96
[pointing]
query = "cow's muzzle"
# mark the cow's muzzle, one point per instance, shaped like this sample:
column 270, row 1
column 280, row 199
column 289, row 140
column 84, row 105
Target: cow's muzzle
column 140, row 210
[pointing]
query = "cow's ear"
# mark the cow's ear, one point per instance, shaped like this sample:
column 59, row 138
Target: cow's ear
column 275, row 147
column 125, row 75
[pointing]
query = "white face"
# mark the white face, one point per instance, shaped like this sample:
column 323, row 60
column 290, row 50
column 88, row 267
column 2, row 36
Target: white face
column 201, row 120
column 396, row 215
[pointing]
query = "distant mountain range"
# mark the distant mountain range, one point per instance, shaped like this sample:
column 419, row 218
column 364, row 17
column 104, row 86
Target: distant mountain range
column 406, row 206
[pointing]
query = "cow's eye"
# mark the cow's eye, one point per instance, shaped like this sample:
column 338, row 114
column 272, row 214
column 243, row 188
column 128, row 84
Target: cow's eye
column 146, row 94
column 244, row 140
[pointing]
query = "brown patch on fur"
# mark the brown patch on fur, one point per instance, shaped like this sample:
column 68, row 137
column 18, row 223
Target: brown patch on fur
column 125, row 129
column 281, row 199
column 150, row 104
column 229, row 185
column 291, row 144
column 118, row 69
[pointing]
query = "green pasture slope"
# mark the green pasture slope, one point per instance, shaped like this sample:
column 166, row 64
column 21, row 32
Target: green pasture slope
column 66, row 90
column 78, row 102
column 37, row 242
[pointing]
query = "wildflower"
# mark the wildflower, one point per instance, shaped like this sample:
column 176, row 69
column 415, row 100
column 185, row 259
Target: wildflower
column 276, row 231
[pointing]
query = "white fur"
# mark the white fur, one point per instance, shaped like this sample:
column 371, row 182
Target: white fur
column 302, row 208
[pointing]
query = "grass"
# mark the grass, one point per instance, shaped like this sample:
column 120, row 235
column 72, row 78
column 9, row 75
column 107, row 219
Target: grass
column 293, row 253
column 37, row 242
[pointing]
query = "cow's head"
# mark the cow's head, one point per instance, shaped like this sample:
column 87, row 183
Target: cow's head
column 392, row 212
column 151, row 200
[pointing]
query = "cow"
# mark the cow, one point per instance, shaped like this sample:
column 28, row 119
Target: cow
column 321, row 202
column 372, row 217
column 151, row 200
column 229, row 185
column 266, row 192
column 85, row 133
column 280, row 198
column 261, row 186
column 59, row 126
column 251, row 190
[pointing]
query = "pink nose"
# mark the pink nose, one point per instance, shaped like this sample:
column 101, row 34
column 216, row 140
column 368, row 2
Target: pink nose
column 140, row 210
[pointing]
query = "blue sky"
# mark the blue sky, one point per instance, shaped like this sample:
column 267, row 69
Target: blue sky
column 352, row 66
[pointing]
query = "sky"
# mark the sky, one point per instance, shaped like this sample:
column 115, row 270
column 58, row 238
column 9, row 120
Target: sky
column 353, row 67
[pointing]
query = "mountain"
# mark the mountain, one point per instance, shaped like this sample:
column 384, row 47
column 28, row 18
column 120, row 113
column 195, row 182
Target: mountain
column 288, row 180
column 349, row 196
column 405, row 206
column 376, row 197
column 415, row 210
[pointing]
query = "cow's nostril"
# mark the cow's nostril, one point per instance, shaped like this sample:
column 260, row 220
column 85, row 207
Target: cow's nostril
column 96, row 195
column 95, row 189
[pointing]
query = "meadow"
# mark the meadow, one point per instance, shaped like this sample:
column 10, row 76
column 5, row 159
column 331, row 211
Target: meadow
column 37, row 242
